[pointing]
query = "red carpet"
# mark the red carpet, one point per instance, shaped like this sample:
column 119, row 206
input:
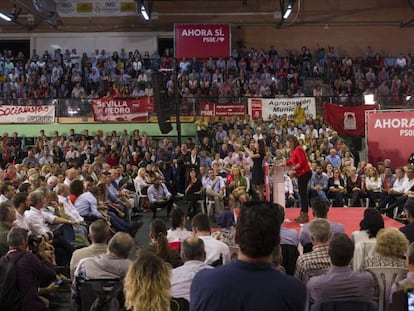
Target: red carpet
column 349, row 217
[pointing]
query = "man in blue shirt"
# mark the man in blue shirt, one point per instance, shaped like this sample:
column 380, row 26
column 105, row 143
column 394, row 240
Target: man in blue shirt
column 251, row 282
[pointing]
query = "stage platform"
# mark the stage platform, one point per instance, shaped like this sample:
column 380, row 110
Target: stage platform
column 349, row 217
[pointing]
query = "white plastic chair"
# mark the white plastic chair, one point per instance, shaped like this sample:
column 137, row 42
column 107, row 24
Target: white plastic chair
column 385, row 277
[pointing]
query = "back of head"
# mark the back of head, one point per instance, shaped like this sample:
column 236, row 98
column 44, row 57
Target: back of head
column 258, row 221
column 19, row 198
column 147, row 283
column 16, row 236
column 341, row 249
column 409, row 208
column 193, row 249
column 158, row 230
column 76, row 187
column 410, row 254
column 36, row 196
column 391, row 242
column 372, row 222
column 201, row 222
column 99, row 231
column 5, row 209
column 120, row 244
column 320, row 230
column 319, row 207
column 177, row 216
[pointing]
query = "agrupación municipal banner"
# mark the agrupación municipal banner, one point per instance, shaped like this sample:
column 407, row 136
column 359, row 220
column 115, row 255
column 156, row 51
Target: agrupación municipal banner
column 267, row 107
column 27, row 114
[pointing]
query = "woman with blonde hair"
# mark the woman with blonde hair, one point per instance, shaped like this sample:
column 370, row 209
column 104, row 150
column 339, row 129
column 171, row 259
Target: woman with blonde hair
column 147, row 284
column 373, row 186
column 389, row 250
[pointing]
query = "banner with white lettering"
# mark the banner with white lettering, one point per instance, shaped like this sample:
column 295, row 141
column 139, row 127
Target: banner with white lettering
column 267, row 107
column 222, row 110
column 27, row 114
column 96, row 8
column 202, row 40
column 390, row 136
column 122, row 110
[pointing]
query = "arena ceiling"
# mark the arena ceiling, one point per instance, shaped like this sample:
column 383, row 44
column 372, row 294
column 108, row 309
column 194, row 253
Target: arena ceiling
column 236, row 12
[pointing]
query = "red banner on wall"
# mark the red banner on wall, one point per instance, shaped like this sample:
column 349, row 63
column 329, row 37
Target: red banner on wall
column 222, row 110
column 390, row 136
column 202, row 40
column 347, row 121
column 122, row 110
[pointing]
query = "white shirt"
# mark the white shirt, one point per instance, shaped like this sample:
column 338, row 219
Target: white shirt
column 3, row 198
column 37, row 221
column 178, row 235
column 21, row 222
column 182, row 277
column 214, row 248
column 70, row 210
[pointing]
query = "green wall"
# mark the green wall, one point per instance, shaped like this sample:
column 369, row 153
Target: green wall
column 152, row 129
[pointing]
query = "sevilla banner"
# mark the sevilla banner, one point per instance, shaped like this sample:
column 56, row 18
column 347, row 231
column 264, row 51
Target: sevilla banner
column 347, row 121
column 266, row 108
column 222, row 110
column 122, row 110
column 202, row 40
column 390, row 136
column 27, row 114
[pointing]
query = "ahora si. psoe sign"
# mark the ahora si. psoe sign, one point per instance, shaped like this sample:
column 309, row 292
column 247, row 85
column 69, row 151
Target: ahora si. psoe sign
column 390, row 136
column 202, row 40
column 27, row 114
column 267, row 107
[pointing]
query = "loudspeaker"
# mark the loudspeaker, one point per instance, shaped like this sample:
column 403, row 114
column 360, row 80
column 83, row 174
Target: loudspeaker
column 161, row 103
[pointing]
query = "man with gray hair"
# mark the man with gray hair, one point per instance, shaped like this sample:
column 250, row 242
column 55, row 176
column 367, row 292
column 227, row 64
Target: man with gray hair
column 318, row 259
column 113, row 264
column 193, row 255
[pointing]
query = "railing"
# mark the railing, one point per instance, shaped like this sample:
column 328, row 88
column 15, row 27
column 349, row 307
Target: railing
column 192, row 106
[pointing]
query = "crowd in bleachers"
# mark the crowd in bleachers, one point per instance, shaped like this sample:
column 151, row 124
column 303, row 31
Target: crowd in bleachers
column 75, row 179
column 249, row 72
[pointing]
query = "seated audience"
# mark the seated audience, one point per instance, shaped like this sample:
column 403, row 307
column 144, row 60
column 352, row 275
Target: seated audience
column 318, row 258
column 340, row 282
column 159, row 244
column 99, row 235
column 193, row 255
column 217, row 252
column 320, row 209
column 178, row 232
column 365, row 239
column 388, row 251
column 214, row 289
column 7, row 217
column 408, row 229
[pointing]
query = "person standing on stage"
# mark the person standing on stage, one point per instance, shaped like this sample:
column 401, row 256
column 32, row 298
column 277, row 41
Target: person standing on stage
column 258, row 174
column 299, row 162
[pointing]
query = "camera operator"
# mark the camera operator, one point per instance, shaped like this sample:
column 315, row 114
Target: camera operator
column 30, row 268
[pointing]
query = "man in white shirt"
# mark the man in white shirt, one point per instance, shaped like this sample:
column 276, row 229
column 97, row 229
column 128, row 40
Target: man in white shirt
column 217, row 252
column 21, row 202
column 7, row 193
column 193, row 255
column 215, row 187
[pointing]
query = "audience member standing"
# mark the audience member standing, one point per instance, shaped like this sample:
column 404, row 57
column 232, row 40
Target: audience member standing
column 258, row 173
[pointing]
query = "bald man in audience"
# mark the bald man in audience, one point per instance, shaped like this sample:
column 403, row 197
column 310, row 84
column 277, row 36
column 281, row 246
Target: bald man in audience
column 193, row 255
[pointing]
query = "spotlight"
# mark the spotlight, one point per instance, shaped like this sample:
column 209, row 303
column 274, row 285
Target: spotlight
column 144, row 13
column 288, row 11
column 6, row 17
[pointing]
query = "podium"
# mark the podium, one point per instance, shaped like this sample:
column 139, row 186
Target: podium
column 279, row 185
